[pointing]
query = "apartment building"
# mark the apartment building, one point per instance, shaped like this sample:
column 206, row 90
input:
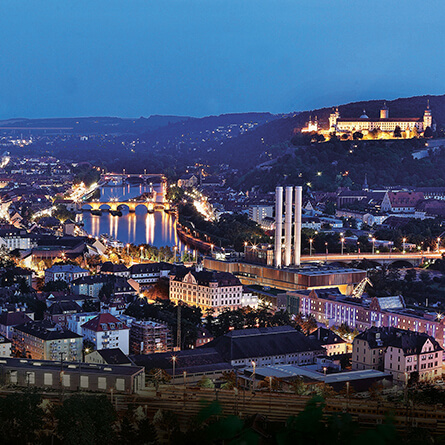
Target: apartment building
column 46, row 340
column 206, row 289
column 107, row 332
column 65, row 272
column 330, row 307
column 147, row 337
column 404, row 354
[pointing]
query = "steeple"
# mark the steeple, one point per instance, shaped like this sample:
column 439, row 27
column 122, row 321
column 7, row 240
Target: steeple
column 427, row 117
column 365, row 184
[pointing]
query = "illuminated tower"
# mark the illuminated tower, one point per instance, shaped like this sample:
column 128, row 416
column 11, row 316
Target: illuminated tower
column 427, row 117
column 333, row 119
column 384, row 112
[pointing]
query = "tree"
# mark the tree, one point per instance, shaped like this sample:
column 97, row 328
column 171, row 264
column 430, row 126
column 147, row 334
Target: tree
column 85, row 419
column 411, row 275
column 397, row 132
column 56, row 286
column 329, row 208
column 21, row 417
column 357, row 135
column 428, row 133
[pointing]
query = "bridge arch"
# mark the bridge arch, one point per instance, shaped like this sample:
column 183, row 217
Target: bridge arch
column 401, row 264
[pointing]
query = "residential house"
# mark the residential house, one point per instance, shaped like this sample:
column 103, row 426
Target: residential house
column 107, row 332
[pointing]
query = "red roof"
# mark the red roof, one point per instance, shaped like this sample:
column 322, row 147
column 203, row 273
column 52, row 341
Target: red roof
column 105, row 322
column 405, row 199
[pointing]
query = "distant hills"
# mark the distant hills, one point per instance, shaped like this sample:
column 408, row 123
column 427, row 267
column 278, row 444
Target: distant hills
column 241, row 140
column 94, row 125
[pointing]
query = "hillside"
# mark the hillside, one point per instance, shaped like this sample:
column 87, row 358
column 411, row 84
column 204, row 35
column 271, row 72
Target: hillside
column 93, row 125
column 271, row 138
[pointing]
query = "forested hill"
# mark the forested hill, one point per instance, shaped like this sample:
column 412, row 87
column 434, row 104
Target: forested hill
column 269, row 140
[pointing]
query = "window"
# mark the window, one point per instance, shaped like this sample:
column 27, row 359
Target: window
column 84, row 383
column 31, row 378
column 47, row 379
column 102, row 382
column 13, row 377
column 120, row 384
column 66, row 380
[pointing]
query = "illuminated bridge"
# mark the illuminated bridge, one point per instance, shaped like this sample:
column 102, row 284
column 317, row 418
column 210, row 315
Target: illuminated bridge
column 131, row 206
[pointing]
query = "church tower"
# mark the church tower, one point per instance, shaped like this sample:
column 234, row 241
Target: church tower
column 365, row 184
column 384, row 112
column 333, row 119
column 427, row 117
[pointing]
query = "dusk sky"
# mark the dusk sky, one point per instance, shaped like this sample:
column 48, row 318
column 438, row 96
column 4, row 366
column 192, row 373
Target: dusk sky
column 198, row 57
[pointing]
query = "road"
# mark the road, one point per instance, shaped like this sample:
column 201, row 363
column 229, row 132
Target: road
column 395, row 256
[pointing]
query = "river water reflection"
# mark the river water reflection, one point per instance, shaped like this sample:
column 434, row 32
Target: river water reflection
column 157, row 229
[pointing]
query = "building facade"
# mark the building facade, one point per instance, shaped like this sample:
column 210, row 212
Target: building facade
column 331, row 308
column 65, row 272
column 147, row 337
column 384, row 123
column 107, row 332
column 205, row 289
column 404, row 354
column 45, row 340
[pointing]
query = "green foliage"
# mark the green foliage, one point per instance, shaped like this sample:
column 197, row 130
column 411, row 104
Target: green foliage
column 21, row 417
column 231, row 230
column 55, row 286
column 166, row 311
column 344, row 163
column 62, row 213
column 175, row 194
column 387, row 282
column 86, row 174
column 88, row 420
column 245, row 318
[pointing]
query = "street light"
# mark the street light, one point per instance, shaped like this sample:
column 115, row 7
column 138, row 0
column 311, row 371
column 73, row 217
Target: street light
column 326, row 245
column 253, row 374
column 342, row 244
column 404, row 241
column 373, row 245
column 310, row 246
column 128, row 249
column 438, row 244
column 174, row 367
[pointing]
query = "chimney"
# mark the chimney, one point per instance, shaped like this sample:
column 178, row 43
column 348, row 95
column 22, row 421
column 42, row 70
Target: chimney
column 278, row 224
column 288, row 228
column 297, row 227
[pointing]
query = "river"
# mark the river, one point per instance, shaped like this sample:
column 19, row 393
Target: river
column 157, row 229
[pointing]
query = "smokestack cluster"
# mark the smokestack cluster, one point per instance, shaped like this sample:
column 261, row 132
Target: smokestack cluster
column 278, row 254
column 278, row 225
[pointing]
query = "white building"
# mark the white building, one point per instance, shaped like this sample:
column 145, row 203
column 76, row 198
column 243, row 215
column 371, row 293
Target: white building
column 258, row 212
column 399, row 352
column 5, row 347
column 149, row 273
column 107, row 332
column 65, row 272
column 206, row 289
column 13, row 238
column 75, row 321
column 385, row 124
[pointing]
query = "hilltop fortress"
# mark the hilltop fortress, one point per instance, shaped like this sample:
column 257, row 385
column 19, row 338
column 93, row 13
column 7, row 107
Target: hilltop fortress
column 384, row 127
column 405, row 126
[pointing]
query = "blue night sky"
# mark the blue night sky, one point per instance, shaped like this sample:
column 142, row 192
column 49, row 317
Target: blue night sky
column 134, row 58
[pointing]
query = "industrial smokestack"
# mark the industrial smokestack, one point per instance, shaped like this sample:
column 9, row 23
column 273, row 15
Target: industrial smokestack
column 278, row 224
column 288, row 227
column 297, row 227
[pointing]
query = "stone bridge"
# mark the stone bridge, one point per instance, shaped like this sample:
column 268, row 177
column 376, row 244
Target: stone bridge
column 130, row 205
